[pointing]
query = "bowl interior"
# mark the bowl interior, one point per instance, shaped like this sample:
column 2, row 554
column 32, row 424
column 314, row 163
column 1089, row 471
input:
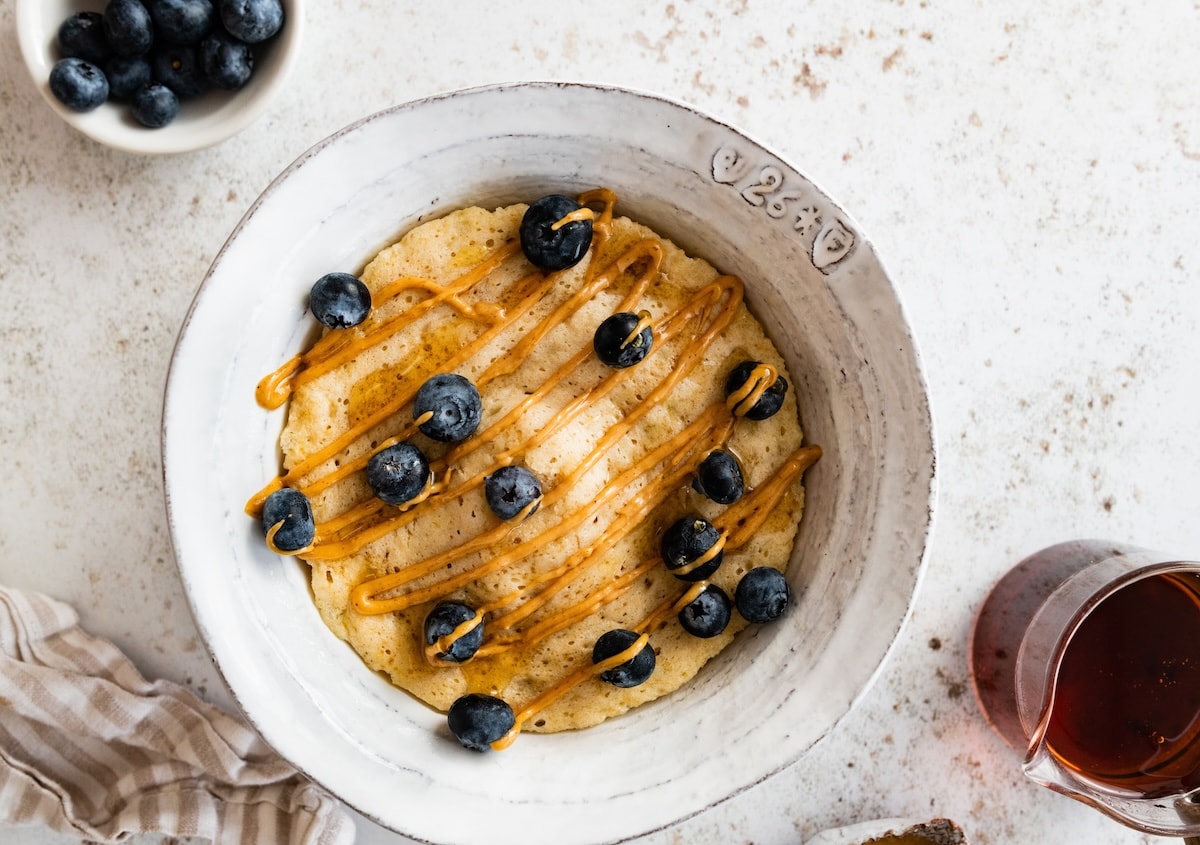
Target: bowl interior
column 819, row 289
column 202, row 122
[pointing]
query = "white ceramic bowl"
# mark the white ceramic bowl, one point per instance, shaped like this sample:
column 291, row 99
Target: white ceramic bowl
column 812, row 278
column 202, row 122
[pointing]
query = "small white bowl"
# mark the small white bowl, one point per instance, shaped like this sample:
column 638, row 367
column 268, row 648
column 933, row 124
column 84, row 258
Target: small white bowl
column 202, row 122
column 813, row 279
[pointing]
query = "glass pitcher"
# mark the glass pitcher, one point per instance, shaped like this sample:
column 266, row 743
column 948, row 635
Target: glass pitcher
column 1086, row 660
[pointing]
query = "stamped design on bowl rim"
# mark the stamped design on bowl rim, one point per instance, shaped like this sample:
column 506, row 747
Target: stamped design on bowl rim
column 764, row 186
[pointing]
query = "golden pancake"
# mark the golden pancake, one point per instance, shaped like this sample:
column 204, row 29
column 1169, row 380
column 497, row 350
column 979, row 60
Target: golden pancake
column 616, row 451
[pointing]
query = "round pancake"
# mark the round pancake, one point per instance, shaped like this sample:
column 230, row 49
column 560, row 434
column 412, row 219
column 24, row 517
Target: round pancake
column 456, row 295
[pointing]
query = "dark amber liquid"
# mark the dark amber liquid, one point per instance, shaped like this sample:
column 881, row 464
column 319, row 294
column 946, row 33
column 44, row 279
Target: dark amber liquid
column 1126, row 712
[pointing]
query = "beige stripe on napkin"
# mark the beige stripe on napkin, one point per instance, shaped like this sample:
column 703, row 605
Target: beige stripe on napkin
column 91, row 748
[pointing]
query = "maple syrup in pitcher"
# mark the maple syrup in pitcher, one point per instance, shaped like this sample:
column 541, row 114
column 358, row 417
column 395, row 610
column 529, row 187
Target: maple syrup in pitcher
column 1085, row 658
column 1126, row 709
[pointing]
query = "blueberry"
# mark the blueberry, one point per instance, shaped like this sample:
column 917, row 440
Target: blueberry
column 455, row 404
column 478, row 720
column 251, row 21
column 126, row 76
column 81, row 36
column 441, row 622
column 398, row 474
column 771, row 400
column 178, row 67
column 182, row 21
column 685, row 542
column 619, row 343
column 707, row 614
column 548, row 248
column 154, row 105
column 290, row 510
column 128, row 27
column 228, row 64
column 719, row 477
column 339, row 300
column 78, row 85
column 511, row 489
column 762, row 594
column 633, row 671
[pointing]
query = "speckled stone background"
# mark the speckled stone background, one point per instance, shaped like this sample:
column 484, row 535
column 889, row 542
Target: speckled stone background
column 1029, row 171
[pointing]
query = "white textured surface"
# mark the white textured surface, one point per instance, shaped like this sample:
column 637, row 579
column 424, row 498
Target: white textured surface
column 1029, row 173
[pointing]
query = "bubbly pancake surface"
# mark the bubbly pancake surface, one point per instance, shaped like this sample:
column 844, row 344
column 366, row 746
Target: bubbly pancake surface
column 615, row 450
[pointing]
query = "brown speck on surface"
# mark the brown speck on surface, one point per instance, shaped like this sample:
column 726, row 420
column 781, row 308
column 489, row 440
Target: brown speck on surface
column 1108, row 503
column 1181, row 139
column 954, row 689
column 232, row 196
column 805, row 78
column 890, row 61
column 935, row 643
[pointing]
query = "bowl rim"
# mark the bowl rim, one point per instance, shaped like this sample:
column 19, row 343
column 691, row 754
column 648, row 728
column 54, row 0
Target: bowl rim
column 927, row 488
column 175, row 138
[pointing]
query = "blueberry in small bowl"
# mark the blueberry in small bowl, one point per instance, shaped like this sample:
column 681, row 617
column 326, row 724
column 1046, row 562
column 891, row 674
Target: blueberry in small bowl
column 78, row 84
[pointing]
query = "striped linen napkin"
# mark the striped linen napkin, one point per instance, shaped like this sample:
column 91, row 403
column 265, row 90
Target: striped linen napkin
column 88, row 747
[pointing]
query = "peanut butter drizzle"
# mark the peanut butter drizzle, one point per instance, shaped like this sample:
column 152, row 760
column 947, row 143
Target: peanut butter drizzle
column 712, row 307
column 757, row 383
column 272, row 531
column 339, row 347
column 644, row 322
column 747, row 515
column 365, row 599
column 342, row 346
column 709, row 555
column 443, row 644
column 364, row 594
column 573, row 680
column 580, row 404
column 647, row 249
column 696, row 309
column 631, row 514
column 578, row 214
column 672, row 607
column 348, row 468
column 736, row 525
column 402, row 398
